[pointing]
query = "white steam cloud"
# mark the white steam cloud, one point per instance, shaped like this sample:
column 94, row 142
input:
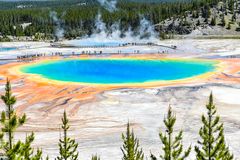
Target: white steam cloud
column 145, row 33
column 110, row 5
column 59, row 31
column 146, row 29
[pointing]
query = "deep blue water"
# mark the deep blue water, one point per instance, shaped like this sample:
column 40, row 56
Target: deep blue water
column 107, row 71
column 3, row 49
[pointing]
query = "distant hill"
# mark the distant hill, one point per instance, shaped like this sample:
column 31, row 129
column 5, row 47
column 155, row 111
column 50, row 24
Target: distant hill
column 154, row 1
column 43, row 18
column 13, row 4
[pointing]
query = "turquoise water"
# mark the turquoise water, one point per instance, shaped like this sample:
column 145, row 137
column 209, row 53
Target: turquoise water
column 106, row 71
column 92, row 43
column 3, row 49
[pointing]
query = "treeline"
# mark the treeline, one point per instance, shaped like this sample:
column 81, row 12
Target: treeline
column 14, row 4
column 210, row 146
column 79, row 20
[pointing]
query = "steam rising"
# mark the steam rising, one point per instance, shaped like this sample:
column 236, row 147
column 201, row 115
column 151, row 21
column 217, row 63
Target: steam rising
column 110, row 5
column 145, row 33
column 59, row 31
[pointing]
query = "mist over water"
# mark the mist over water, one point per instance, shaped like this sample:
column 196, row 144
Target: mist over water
column 145, row 33
column 114, row 34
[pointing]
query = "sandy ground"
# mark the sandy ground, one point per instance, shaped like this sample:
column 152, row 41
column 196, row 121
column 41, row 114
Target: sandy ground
column 98, row 119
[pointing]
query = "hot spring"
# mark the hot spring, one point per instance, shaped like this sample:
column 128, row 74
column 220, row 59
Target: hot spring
column 94, row 43
column 4, row 49
column 118, row 71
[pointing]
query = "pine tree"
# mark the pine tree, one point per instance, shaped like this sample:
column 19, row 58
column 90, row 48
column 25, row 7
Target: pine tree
column 131, row 149
column 198, row 22
column 172, row 146
column 223, row 21
column 233, row 19
column 206, row 13
column 10, row 122
column 231, row 5
column 213, row 21
column 27, row 151
column 229, row 26
column 67, row 146
column 212, row 145
column 95, row 157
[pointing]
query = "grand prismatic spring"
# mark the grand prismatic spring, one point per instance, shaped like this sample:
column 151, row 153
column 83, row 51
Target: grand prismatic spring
column 107, row 63
column 114, row 71
column 101, row 92
column 102, row 85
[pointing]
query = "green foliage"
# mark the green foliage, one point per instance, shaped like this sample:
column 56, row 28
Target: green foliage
column 198, row 23
column 212, row 144
column 195, row 14
column 67, row 146
column 163, row 35
column 131, row 149
column 223, row 21
column 172, row 146
column 95, row 157
column 27, row 151
column 228, row 26
column 4, row 5
column 4, row 39
column 238, row 29
column 213, row 21
column 234, row 17
column 231, row 5
column 79, row 20
column 10, row 122
column 206, row 12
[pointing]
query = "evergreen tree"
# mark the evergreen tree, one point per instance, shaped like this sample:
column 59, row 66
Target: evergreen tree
column 67, row 146
column 130, row 148
column 223, row 21
column 198, row 22
column 10, row 122
column 233, row 19
column 206, row 13
column 213, row 21
column 229, row 26
column 95, row 157
column 172, row 146
column 231, row 5
column 27, row 151
column 212, row 145
column 195, row 14
column 79, row 20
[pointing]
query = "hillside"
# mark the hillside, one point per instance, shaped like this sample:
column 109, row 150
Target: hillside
column 17, row 4
column 27, row 4
column 42, row 20
column 216, row 20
